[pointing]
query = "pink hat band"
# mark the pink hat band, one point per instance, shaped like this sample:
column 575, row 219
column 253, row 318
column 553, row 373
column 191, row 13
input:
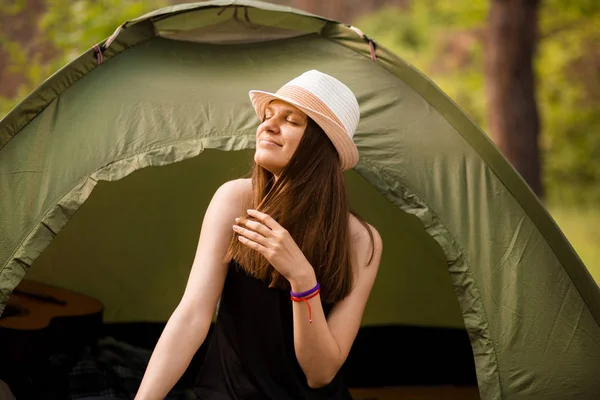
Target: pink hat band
column 304, row 97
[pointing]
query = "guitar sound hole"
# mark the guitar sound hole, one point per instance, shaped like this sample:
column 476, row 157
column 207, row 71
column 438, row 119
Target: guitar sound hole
column 13, row 311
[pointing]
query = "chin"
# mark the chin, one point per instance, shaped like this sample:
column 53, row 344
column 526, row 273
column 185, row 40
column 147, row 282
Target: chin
column 268, row 162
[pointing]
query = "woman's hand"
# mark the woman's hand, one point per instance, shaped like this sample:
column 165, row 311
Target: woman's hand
column 276, row 244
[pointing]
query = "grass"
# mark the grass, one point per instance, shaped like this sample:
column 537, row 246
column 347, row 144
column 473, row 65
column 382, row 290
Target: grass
column 582, row 229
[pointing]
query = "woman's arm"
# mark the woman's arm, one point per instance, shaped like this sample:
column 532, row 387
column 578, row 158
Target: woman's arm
column 188, row 325
column 323, row 346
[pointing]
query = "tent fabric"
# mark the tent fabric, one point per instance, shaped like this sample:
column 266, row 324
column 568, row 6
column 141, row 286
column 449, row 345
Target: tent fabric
column 457, row 221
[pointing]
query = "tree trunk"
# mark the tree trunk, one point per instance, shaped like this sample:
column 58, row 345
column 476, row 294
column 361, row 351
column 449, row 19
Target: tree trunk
column 509, row 49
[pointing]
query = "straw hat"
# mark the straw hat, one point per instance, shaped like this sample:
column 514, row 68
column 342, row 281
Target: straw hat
column 327, row 101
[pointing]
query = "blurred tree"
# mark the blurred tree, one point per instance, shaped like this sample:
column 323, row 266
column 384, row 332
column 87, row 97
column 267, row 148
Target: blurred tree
column 512, row 110
column 18, row 25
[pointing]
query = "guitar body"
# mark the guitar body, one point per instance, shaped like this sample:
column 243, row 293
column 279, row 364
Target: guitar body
column 42, row 329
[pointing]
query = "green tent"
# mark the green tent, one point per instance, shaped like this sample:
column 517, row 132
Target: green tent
column 106, row 170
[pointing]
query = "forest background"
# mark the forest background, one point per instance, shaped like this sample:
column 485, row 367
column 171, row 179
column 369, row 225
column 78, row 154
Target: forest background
column 446, row 40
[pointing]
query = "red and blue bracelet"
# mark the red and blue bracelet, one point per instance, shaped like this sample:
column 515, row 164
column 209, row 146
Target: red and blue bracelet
column 305, row 296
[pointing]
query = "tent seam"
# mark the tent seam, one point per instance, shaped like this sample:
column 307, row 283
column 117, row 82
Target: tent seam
column 70, row 82
column 91, row 176
column 374, row 167
column 491, row 167
column 425, row 96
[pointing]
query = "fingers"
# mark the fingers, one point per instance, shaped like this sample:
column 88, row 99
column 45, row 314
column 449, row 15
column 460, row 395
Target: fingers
column 253, row 245
column 248, row 234
column 255, row 226
column 264, row 218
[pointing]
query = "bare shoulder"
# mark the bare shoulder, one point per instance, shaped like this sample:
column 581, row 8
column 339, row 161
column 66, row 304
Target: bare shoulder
column 367, row 245
column 230, row 199
column 236, row 188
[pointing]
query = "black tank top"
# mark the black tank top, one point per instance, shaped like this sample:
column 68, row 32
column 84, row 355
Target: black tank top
column 251, row 352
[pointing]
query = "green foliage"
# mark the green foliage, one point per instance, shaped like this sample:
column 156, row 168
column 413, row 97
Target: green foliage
column 12, row 7
column 582, row 234
column 445, row 41
column 75, row 26
column 569, row 100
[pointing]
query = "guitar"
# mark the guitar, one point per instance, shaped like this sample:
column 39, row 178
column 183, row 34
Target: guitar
column 40, row 321
column 35, row 306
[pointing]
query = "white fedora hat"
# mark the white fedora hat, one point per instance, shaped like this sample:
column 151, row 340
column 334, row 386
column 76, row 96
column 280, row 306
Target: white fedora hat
column 327, row 101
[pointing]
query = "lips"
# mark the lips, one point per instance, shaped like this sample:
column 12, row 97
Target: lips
column 269, row 141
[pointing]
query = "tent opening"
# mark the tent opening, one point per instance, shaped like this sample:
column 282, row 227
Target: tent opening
column 131, row 245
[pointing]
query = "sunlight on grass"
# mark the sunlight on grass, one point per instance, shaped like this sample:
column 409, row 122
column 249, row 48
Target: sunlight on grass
column 582, row 229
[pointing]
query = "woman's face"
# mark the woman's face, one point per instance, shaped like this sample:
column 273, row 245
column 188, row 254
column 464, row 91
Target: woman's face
column 278, row 136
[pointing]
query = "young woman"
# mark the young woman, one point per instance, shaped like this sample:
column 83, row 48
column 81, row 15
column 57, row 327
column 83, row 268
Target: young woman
column 292, row 266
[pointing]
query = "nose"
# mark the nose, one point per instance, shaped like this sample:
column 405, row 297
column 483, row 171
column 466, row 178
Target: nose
column 270, row 125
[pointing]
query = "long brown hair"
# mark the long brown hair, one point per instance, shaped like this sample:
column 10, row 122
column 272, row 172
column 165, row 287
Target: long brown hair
column 310, row 200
